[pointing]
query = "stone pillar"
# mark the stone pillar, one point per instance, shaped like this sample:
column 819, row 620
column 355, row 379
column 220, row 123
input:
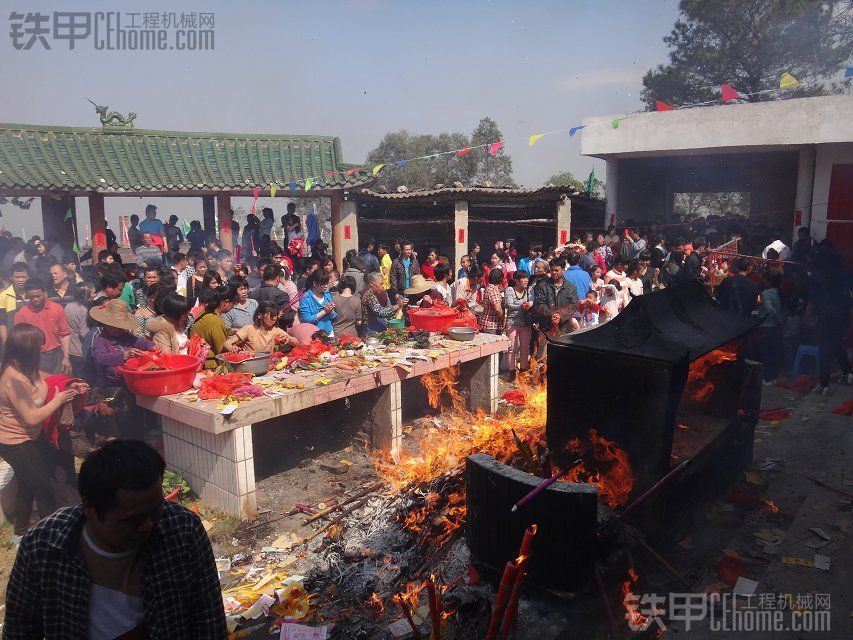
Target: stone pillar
column 223, row 209
column 98, row 220
column 480, row 377
column 610, row 185
column 219, row 467
column 564, row 220
column 337, row 230
column 805, row 188
column 349, row 227
column 460, row 233
column 386, row 418
column 208, row 212
column 56, row 228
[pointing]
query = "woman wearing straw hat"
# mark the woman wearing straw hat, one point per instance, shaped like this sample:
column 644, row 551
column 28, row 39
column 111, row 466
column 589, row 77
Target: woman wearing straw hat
column 418, row 287
column 114, row 341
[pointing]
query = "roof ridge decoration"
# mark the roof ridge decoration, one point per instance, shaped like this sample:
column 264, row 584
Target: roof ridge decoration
column 113, row 119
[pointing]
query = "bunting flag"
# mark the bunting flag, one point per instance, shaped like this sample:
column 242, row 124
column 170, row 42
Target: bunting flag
column 308, row 184
column 75, row 248
column 273, row 189
column 590, row 181
column 378, row 168
column 256, row 192
column 534, row 139
column 663, row 106
column 787, row 80
column 615, row 123
column 848, row 73
column 574, row 130
column 68, row 215
column 464, row 152
column 495, row 147
column 186, row 227
column 353, row 170
column 23, row 234
column 729, row 93
column 292, row 186
column 401, row 163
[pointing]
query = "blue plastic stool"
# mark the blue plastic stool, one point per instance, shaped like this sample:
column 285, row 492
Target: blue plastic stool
column 805, row 350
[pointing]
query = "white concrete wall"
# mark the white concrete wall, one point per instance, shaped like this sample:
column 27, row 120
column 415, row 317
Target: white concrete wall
column 723, row 128
column 827, row 155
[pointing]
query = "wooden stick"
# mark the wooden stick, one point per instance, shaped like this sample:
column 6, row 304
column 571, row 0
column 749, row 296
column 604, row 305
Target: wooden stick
column 433, row 609
column 374, row 487
column 525, row 454
column 286, row 514
column 669, row 568
column 337, row 520
column 501, row 599
column 825, row 485
column 605, row 601
column 547, row 482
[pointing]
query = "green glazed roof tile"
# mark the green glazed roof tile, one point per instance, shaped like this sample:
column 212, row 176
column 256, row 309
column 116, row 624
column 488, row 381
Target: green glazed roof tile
column 115, row 161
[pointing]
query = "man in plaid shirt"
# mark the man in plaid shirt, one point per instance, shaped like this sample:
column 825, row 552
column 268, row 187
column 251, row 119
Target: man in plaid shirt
column 492, row 319
column 124, row 565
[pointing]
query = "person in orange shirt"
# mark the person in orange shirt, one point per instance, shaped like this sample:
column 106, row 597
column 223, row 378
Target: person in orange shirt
column 50, row 318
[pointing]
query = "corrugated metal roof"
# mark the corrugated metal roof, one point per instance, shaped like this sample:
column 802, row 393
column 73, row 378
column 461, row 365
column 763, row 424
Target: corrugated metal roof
column 138, row 160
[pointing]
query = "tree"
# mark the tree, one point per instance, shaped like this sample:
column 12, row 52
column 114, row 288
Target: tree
column 567, row 179
column 495, row 168
column 749, row 44
column 447, row 168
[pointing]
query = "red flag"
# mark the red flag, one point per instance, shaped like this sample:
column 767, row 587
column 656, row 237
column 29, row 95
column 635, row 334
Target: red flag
column 256, row 192
column 663, row 106
column 496, row 146
column 353, row 170
column 730, row 93
column 464, row 152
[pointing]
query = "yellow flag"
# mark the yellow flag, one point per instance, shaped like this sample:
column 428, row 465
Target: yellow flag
column 534, row 139
column 787, row 81
column 378, row 168
column 272, row 190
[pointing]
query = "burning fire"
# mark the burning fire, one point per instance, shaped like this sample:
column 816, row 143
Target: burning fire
column 610, row 470
column 630, row 601
column 771, row 505
column 700, row 388
column 444, row 447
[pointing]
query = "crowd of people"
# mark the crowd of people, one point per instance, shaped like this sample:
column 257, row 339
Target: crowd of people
column 66, row 327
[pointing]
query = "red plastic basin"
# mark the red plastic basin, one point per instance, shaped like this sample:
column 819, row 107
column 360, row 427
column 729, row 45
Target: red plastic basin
column 179, row 377
column 436, row 320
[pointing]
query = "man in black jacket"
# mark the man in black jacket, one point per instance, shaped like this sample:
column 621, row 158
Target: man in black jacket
column 738, row 293
column 269, row 292
column 555, row 300
column 403, row 268
column 692, row 267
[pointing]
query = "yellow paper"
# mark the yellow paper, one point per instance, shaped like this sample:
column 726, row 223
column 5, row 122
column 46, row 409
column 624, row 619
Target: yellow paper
column 534, row 139
column 787, row 81
column 378, row 168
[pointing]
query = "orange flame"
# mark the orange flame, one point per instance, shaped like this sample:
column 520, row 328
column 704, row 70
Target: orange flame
column 610, row 470
column 771, row 505
column 376, row 605
column 700, row 389
column 440, row 381
column 632, row 612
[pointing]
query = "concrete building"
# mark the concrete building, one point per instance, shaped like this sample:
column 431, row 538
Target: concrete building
column 793, row 157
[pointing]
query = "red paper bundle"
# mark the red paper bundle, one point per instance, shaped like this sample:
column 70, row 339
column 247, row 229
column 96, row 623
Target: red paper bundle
column 222, row 385
column 515, row 397
column 845, row 408
column 774, row 414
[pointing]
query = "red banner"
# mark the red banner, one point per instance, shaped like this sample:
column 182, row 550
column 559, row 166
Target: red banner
column 347, row 232
column 461, row 237
column 564, row 236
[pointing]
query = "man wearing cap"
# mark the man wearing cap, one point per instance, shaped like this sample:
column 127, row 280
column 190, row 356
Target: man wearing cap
column 50, row 318
column 151, row 224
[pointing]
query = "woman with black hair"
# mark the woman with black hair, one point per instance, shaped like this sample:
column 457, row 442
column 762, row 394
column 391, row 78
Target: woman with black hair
column 168, row 329
column 347, row 306
column 210, row 326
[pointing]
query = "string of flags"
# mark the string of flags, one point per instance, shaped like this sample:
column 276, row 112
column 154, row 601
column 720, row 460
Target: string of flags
column 727, row 93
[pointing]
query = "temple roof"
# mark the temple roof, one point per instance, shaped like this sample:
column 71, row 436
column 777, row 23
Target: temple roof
column 114, row 160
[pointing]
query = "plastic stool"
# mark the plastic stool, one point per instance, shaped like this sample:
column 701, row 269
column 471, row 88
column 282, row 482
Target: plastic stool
column 805, row 350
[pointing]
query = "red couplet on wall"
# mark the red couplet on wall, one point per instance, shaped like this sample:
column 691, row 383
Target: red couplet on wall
column 347, row 232
column 798, row 217
column 612, row 218
column 461, row 238
column 564, row 236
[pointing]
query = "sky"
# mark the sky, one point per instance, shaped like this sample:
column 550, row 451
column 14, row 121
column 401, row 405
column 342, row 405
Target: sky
column 351, row 68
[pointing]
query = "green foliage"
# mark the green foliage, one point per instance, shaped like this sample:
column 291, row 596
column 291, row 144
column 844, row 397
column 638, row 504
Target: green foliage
column 474, row 168
column 172, row 481
column 567, row 179
column 749, row 44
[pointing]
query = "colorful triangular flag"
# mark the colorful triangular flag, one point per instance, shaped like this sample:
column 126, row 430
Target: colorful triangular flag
column 378, row 168
column 308, row 184
column 615, row 123
column 574, row 130
column 534, row 139
column 848, row 73
column 660, row 105
column 729, row 93
column 75, row 248
column 787, row 80
column 186, row 226
column 273, row 189
column 256, row 192
column 68, row 215
column 590, row 181
column 464, row 152
column 353, row 170
column 401, row 163
column 292, row 186
column 495, row 147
